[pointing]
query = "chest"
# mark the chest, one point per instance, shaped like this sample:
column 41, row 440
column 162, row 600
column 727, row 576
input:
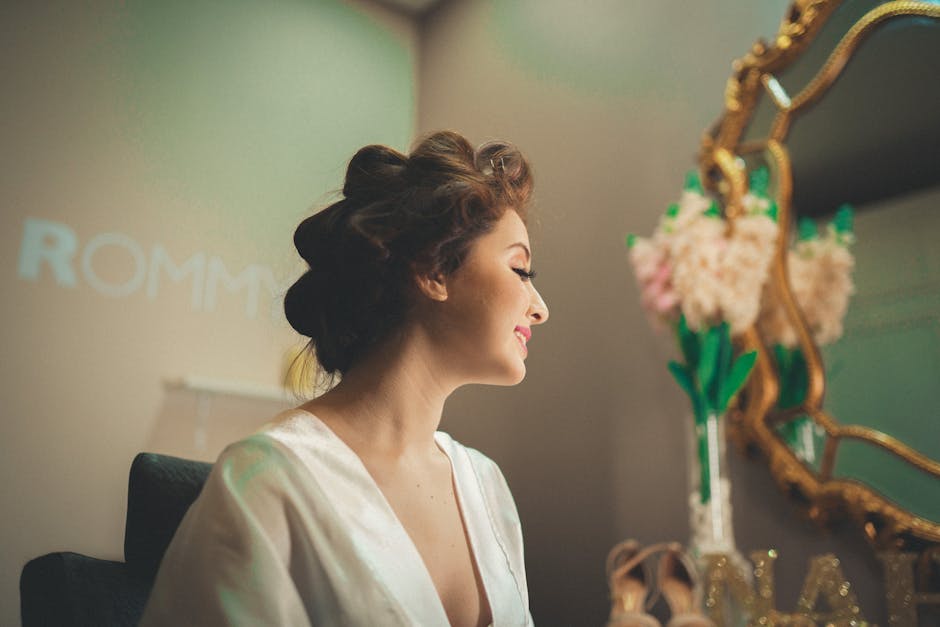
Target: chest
column 429, row 509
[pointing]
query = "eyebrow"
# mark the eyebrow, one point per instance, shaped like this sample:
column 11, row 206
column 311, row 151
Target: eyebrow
column 523, row 247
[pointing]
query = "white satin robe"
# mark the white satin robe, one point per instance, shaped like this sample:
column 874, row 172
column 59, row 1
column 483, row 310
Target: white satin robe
column 290, row 529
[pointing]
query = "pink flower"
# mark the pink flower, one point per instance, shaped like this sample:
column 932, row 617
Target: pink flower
column 659, row 297
column 653, row 270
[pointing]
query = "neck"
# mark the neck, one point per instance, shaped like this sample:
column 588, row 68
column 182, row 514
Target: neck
column 389, row 404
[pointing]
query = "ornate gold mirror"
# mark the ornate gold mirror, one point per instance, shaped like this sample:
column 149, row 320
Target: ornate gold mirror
column 844, row 107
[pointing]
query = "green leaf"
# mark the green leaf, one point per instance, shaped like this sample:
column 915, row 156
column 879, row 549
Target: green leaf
column 683, row 377
column 705, row 484
column 713, row 210
column 794, row 379
column 693, row 183
column 759, row 181
column 688, row 343
column 672, row 210
column 739, row 373
column 799, row 378
column 773, row 211
column 789, row 433
column 782, row 357
column 631, row 240
column 806, row 229
column 842, row 222
column 708, row 361
column 722, row 363
column 699, row 411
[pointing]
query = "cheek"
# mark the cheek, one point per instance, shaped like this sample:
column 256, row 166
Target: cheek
column 494, row 299
column 514, row 301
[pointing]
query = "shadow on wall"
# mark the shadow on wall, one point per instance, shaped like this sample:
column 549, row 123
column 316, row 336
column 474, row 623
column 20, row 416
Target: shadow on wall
column 199, row 424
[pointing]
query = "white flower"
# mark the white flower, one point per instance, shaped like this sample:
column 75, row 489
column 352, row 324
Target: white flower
column 719, row 272
column 691, row 206
column 696, row 251
column 820, row 276
column 825, row 298
column 646, row 255
column 746, row 264
column 754, row 204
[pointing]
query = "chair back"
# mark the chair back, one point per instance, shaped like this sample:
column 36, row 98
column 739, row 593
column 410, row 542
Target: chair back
column 71, row 590
column 160, row 490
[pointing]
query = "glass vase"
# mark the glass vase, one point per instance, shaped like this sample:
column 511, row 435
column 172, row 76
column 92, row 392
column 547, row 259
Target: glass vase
column 710, row 488
column 710, row 513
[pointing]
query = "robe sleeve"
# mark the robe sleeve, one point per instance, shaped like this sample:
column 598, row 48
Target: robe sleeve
column 229, row 562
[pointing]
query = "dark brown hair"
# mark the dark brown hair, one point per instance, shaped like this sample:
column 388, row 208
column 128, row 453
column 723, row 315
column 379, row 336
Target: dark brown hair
column 399, row 215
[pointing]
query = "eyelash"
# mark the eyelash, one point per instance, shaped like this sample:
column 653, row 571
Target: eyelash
column 524, row 274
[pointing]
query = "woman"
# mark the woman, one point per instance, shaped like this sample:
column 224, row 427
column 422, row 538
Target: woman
column 352, row 509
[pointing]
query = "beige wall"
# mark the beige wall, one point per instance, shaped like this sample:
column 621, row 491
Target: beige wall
column 608, row 100
column 185, row 130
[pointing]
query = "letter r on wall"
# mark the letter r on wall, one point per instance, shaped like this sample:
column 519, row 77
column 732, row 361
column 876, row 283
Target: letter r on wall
column 51, row 242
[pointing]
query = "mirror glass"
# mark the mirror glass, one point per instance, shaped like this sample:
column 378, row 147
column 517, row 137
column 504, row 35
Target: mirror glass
column 842, row 108
column 884, row 372
column 791, row 79
column 873, row 141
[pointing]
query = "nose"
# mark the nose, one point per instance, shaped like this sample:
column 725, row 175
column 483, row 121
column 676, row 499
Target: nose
column 538, row 310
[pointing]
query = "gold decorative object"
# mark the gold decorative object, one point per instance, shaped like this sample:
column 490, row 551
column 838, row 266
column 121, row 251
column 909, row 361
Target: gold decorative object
column 902, row 595
column 825, row 579
column 724, row 584
column 727, row 590
column 723, row 171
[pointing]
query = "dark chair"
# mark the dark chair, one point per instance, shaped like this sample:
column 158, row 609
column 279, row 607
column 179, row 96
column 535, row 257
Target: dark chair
column 69, row 589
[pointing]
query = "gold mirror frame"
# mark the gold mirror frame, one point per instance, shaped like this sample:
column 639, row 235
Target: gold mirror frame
column 724, row 173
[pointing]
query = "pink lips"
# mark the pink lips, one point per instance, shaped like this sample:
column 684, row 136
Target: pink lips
column 526, row 334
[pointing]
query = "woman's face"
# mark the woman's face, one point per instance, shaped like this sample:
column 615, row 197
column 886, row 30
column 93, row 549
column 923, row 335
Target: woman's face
column 491, row 307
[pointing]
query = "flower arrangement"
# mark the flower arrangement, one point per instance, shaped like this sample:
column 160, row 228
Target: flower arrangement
column 703, row 276
column 820, row 272
column 698, row 267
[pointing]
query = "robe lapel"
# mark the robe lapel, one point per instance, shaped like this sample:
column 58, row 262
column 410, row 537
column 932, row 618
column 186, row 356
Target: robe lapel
column 375, row 532
column 490, row 550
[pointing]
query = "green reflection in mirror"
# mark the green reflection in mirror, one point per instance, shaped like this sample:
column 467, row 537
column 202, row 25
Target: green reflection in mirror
column 805, row 438
column 885, row 371
column 917, row 492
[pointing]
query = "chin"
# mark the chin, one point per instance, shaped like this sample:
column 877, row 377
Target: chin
column 506, row 371
column 513, row 375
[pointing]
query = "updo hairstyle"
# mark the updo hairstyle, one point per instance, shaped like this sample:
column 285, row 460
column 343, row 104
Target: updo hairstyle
column 400, row 215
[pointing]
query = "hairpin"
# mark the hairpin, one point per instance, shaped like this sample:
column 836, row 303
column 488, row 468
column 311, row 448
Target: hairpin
column 502, row 164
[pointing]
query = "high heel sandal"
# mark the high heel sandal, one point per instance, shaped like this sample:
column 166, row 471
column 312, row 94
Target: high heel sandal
column 678, row 584
column 629, row 576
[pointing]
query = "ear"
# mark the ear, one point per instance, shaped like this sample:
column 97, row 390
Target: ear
column 432, row 285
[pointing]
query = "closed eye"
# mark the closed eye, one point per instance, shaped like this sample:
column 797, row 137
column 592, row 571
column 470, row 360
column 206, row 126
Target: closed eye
column 525, row 275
